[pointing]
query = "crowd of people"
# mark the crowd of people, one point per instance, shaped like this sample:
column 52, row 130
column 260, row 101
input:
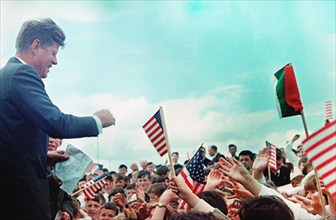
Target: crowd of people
column 238, row 186
column 234, row 187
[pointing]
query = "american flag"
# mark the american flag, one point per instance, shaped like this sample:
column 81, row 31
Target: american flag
column 328, row 106
column 193, row 173
column 155, row 132
column 272, row 161
column 90, row 188
column 321, row 150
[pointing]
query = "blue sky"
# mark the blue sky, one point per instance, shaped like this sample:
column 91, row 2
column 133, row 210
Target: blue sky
column 209, row 64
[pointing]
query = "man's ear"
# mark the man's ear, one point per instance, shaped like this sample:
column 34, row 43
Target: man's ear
column 35, row 46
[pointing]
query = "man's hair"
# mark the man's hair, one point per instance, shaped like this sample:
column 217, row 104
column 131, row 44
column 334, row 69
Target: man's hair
column 232, row 145
column 120, row 176
column 246, row 153
column 122, row 166
column 45, row 30
column 110, row 206
column 175, row 153
column 162, row 171
column 144, row 173
column 213, row 147
column 303, row 160
column 265, row 208
column 149, row 163
column 98, row 198
column 215, row 199
column 130, row 186
column 115, row 191
column 156, row 188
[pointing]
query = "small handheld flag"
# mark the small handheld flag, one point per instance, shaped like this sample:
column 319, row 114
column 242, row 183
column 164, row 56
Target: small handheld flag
column 90, row 188
column 272, row 161
column 155, row 132
column 193, row 174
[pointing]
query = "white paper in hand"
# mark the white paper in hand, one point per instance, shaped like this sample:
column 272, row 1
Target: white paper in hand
column 73, row 169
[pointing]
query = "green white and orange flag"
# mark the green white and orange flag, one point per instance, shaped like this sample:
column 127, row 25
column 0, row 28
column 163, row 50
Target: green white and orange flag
column 287, row 92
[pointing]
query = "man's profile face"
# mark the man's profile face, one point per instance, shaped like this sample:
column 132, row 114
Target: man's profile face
column 54, row 143
column 44, row 58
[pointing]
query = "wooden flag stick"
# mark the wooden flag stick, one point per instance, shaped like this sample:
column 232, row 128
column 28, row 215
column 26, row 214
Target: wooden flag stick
column 172, row 170
column 269, row 172
column 316, row 175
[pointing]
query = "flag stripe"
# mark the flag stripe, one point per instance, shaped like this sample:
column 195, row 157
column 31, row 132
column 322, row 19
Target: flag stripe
column 321, row 153
column 325, row 162
column 321, row 141
column 149, row 121
column 326, row 174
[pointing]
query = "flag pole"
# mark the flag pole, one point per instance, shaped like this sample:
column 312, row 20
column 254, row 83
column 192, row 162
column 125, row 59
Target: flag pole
column 304, row 123
column 269, row 172
column 172, row 170
column 315, row 172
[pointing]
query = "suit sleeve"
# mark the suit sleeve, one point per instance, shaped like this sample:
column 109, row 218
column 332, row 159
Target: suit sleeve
column 30, row 97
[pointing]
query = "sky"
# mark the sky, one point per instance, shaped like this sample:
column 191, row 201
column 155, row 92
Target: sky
column 209, row 64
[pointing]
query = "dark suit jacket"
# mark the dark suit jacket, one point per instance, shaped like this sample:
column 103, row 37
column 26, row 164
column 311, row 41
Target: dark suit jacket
column 216, row 158
column 283, row 178
column 27, row 117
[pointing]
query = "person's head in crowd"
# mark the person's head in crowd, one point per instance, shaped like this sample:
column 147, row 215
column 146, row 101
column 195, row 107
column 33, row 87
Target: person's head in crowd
column 162, row 171
column 265, row 208
column 160, row 179
column 212, row 150
column 106, row 171
column 155, row 191
column 54, row 143
column 296, row 181
column 302, row 162
column 75, row 205
column 119, row 181
column 232, row 150
column 134, row 167
column 175, row 157
column 113, row 173
column 210, row 165
column 300, row 152
column 123, row 169
column 150, row 167
column 97, row 173
column 115, row 194
column 130, row 191
column 310, row 187
column 143, row 164
column 307, row 168
column 134, row 176
column 109, row 184
column 215, row 198
column 247, row 158
column 108, row 211
column 92, row 206
column 194, row 215
column 144, row 180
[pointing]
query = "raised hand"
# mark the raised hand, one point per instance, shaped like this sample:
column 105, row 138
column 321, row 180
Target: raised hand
column 215, row 178
column 140, row 193
column 234, row 169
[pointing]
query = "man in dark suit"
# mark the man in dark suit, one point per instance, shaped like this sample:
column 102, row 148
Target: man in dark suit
column 214, row 153
column 28, row 118
column 281, row 176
